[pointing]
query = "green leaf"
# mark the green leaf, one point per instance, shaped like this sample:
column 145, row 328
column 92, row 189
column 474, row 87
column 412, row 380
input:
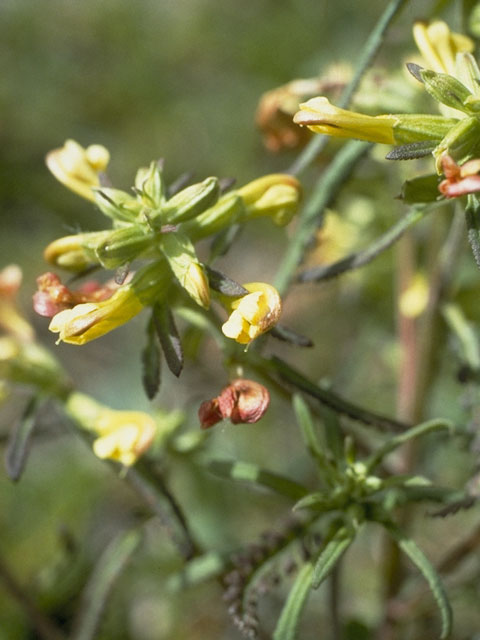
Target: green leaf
column 169, row 338
column 304, row 419
column 20, row 440
column 285, row 334
column 414, row 432
column 288, row 622
column 223, row 284
column 422, row 189
column 317, row 501
column 151, row 362
column 102, row 580
column 472, row 216
column 416, row 555
column 183, row 261
column 330, row 555
column 412, row 151
column 247, row 472
column 222, row 242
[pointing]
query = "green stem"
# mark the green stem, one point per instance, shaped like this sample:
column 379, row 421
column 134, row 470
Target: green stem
column 361, row 258
column 325, row 191
column 472, row 216
column 368, row 53
column 273, row 365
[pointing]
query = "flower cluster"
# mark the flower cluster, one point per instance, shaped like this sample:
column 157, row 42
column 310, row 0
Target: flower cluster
column 451, row 77
column 161, row 229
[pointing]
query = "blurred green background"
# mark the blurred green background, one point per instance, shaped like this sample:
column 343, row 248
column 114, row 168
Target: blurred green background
column 180, row 80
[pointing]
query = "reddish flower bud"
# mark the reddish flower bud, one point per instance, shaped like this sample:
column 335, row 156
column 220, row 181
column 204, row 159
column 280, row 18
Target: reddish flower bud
column 460, row 180
column 242, row 401
column 53, row 296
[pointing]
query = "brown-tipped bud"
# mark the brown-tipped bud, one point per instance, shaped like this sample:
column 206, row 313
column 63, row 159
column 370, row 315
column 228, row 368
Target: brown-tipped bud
column 242, row 401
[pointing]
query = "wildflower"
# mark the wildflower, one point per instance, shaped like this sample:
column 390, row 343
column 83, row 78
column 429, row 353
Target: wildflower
column 53, row 296
column 242, row 401
column 322, row 117
column 254, row 313
column 439, row 46
column 122, row 435
column 90, row 320
column 459, row 180
column 78, row 168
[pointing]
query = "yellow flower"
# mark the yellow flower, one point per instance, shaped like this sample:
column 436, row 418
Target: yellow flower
column 75, row 252
column 78, row 168
column 123, row 435
column 254, row 313
column 439, row 46
column 90, row 320
column 319, row 115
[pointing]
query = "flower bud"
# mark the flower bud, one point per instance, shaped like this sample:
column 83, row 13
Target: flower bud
column 76, row 252
column 459, row 180
column 254, row 313
column 276, row 195
column 190, row 202
column 78, row 168
column 118, row 205
column 150, row 185
column 447, row 90
column 53, row 296
column 229, row 210
column 123, row 245
column 242, row 401
column 462, row 142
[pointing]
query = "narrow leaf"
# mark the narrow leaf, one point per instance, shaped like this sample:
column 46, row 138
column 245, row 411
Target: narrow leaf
column 472, row 216
column 304, row 419
column 246, row 472
column 316, row 501
column 416, row 555
column 20, row 440
column 330, row 555
column 414, row 432
column 103, row 578
column 223, row 241
column 288, row 622
column 288, row 335
column 151, row 362
column 412, row 151
column 223, row 284
column 362, row 258
column 169, row 338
